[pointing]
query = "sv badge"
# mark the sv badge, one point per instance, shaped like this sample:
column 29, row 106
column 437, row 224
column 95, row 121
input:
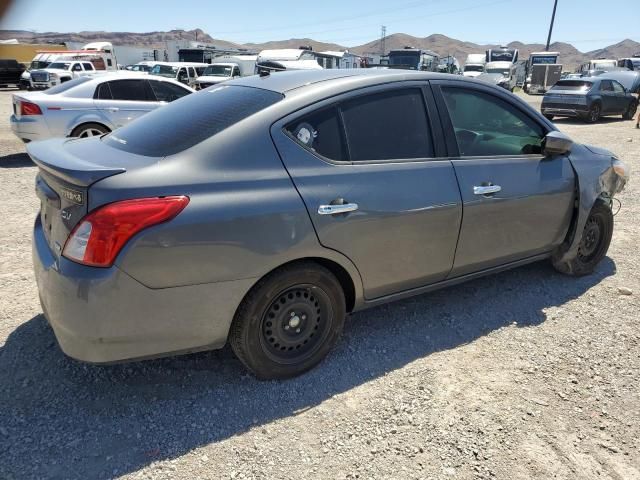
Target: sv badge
column 65, row 214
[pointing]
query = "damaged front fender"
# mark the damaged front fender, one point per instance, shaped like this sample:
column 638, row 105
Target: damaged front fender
column 599, row 176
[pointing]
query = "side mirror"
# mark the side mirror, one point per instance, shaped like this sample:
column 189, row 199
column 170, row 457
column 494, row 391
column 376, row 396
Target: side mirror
column 556, row 143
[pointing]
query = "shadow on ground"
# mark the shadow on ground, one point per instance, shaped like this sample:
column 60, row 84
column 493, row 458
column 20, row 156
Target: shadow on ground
column 64, row 419
column 578, row 121
column 16, row 160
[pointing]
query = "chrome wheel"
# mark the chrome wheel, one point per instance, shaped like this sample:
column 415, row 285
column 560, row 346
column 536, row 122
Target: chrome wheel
column 91, row 132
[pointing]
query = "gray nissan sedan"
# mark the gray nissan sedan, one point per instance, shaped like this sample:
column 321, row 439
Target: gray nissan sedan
column 262, row 211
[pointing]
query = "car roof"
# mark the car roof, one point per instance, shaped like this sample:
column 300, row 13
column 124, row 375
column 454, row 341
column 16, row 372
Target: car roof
column 283, row 82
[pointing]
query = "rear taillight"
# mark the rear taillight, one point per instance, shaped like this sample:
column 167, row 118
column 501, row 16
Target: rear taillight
column 28, row 108
column 99, row 237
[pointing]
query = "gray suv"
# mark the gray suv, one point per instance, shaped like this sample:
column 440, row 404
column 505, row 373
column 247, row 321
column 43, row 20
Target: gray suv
column 264, row 210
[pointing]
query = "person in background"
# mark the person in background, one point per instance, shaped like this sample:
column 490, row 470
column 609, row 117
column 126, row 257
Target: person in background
column 638, row 119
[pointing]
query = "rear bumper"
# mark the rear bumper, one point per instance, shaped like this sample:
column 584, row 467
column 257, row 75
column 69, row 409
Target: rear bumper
column 29, row 128
column 564, row 112
column 102, row 315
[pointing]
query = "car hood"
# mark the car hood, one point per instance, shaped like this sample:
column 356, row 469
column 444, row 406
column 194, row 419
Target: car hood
column 599, row 151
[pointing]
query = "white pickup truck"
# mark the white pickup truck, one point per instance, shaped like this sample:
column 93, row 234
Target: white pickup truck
column 59, row 72
column 227, row 68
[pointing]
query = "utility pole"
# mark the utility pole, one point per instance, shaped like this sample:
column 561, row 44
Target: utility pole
column 383, row 37
column 553, row 17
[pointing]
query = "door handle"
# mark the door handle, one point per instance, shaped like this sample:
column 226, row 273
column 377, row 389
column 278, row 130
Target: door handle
column 335, row 209
column 486, row 189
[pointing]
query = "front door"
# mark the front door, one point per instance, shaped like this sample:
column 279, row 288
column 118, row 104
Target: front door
column 371, row 173
column 516, row 202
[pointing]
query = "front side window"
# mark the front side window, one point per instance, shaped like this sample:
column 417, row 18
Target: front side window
column 486, row 125
column 192, row 72
column 76, row 67
column 166, row 91
column 388, row 125
column 131, row 90
column 617, row 88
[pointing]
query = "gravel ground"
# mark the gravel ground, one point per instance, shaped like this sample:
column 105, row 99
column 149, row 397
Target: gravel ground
column 525, row 374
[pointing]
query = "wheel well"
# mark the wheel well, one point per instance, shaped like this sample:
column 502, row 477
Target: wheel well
column 75, row 129
column 340, row 273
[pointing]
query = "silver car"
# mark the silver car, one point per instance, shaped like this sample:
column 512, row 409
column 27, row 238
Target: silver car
column 90, row 106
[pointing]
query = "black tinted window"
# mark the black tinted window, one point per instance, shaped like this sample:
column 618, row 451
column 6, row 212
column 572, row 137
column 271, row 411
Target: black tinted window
column 485, row 125
column 103, row 92
column 167, row 92
column 321, row 132
column 606, row 86
column 128, row 90
column 87, row 66
column 190, row 120
column 388, row 125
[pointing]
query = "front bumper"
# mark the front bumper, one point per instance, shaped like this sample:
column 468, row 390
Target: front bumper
column 29, row 128
column 102, row 315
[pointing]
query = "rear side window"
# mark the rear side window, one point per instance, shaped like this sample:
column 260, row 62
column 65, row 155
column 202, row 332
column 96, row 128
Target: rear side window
column 87, row 66
column 103, row 92
column 167, row 92
column 132, row 90
column 386, row 126
column 190, row 120
column 389, row 125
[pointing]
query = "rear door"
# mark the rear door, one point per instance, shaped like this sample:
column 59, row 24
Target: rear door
column 369, row 166
column 122, row 101
column 517, row 203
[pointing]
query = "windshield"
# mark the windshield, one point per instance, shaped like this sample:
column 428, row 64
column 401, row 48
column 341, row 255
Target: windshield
column 190, row 120
column 577, row 85
column 501, row 71
column 218, row 71
column 36, row 64
column 474, row 68
column 540, row 60
column 63, row 87
column 60, row 65
column 404, row 58
column 164, row 71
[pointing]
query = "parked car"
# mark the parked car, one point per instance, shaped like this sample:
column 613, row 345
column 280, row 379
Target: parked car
column 588, row 99
column 495, row 79
column 263, row 210
column 10, row 72
column 89, row 106
column 628, row 79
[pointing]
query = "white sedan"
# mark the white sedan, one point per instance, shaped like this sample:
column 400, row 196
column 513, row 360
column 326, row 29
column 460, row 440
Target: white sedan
column 90, row 106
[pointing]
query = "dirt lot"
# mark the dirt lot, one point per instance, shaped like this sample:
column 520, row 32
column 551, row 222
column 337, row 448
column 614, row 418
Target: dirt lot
column 525, row 374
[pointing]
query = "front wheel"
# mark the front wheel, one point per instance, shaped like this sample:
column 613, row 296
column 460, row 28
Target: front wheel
column 630, row 112
column 289, row 321
column 594, row 242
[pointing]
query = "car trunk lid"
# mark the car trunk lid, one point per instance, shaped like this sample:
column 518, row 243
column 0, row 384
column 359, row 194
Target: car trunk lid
column 65, row 177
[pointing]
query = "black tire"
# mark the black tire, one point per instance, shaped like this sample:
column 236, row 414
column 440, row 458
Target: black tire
column 89, row 130
column 594, row 242
column 594, row 113
column 289, row 321
column 548, row 117
column 630, row 112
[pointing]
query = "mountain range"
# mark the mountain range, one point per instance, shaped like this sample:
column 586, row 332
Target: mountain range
column 443, row 45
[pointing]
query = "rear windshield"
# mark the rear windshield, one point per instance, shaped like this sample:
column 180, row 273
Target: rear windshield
column 190, row 120
column 63, row 87
column 576, row 85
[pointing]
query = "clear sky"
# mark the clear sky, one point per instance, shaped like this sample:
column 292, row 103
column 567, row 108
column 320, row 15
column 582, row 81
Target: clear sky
column 587, row 24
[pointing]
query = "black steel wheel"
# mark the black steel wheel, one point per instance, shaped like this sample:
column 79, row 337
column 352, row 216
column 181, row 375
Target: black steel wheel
column 289, row 321
column 594, row 242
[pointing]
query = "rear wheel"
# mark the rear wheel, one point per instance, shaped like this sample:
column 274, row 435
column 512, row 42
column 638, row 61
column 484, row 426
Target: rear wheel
column 289, row 321
column 89, row 130
column 594, row 243
column 630, row 112
column 594, row 113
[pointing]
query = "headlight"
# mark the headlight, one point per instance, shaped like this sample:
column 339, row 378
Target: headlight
column 620, row 168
